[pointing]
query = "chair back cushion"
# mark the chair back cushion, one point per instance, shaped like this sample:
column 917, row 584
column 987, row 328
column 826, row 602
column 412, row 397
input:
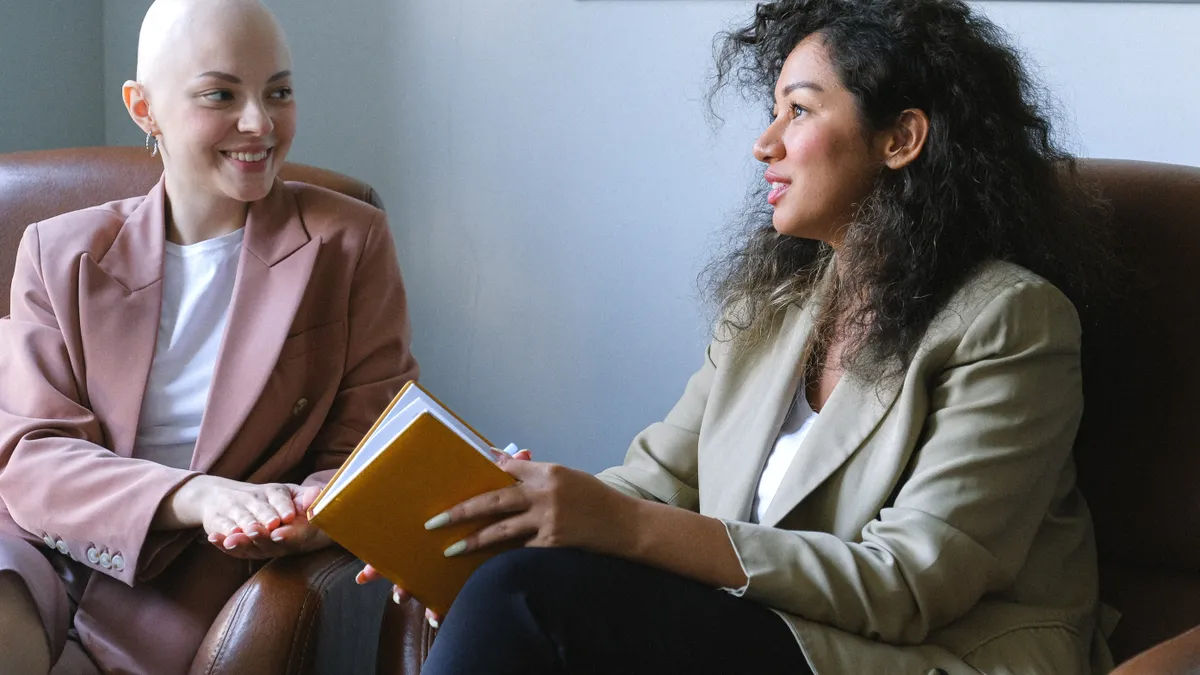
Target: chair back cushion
column 1138, row 449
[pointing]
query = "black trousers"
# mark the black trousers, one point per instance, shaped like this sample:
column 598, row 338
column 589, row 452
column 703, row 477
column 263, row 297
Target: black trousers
column 563, row 611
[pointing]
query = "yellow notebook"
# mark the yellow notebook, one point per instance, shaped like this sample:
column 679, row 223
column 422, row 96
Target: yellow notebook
column 418, row 460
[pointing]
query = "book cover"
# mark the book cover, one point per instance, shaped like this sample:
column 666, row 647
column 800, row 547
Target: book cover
column 417, row 461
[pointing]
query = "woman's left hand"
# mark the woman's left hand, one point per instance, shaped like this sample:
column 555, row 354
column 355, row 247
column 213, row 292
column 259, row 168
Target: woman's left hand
column 297, row 536
column 550, row 506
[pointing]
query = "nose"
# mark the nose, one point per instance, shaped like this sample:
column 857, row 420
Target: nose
column 769, row 148
column 255, row 119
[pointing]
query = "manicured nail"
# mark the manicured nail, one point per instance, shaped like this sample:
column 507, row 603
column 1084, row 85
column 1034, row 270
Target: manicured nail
column 277, row 537
column 230, row 545
column 437, row 521
column 396, row 596
column 455, row 549
column 433, row 623
column 358, row 578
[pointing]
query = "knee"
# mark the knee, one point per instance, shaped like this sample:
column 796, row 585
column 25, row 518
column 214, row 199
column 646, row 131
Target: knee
column 522, row 572
column 514, row 570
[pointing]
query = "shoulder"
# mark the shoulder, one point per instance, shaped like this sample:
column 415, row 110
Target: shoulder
column 327, row 213
column 89, row 231
column 1001, row 304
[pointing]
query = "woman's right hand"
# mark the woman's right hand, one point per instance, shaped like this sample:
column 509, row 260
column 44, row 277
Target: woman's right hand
column 222, row 507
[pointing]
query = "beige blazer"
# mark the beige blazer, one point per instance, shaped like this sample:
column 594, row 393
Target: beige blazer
column 316, row 344
column 931, row 523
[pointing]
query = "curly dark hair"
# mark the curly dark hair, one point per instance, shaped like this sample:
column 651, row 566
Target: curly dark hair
column 990, row 183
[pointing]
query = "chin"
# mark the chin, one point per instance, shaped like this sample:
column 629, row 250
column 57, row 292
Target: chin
column 248, row 193
column 784, row 226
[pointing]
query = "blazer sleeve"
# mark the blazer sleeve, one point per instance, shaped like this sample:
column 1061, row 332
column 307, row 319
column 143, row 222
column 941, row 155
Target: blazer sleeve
column 378, row 359
column 661, row 463
column 56, row 478
column 1003, row 415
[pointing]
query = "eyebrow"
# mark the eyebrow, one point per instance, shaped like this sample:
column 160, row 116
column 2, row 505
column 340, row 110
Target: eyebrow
column 803, row 84
column 237, row 80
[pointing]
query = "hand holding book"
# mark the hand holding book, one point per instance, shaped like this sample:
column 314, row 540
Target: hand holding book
column 399, row 595
column 425, row 500
column 549, row 506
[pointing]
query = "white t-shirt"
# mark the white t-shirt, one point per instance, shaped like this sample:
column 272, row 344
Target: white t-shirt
column 197, row 289
column 795, row 427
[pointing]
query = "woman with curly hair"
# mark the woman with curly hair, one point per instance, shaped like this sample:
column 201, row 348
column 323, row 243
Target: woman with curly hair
column 871, row 472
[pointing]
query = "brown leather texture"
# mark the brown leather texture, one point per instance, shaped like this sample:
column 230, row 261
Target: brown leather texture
column 404, row 639
column 297, row 615
column 1137, row 448
column 39, row 184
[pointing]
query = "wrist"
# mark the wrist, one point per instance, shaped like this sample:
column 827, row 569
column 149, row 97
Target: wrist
column 635, row 540
column 182, row 508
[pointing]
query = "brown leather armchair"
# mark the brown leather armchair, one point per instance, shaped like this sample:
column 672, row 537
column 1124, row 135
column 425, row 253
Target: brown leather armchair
column 1139, row 446
column 298, row 615
column 1137, row 451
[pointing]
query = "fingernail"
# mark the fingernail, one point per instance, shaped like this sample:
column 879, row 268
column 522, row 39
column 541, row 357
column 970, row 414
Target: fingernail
column 437, row 521
column 456, row 549
column 358, row 578
column 433, row 623
column 230, row 546
column 276, row 537
column 396, row 596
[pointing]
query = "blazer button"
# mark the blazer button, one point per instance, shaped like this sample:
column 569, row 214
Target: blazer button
column 50, row 541
column 93, row 555
column 61, row 546
column 936, row 671
column 299, row 407
column 106, row 560
column 118, row 563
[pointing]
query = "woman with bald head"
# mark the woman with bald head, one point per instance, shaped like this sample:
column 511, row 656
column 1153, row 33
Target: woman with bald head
column 183, row 371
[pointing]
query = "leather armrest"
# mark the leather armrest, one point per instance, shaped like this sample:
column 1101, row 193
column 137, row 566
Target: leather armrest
column 404, row 639
column 299, row 614
column 1177, row 656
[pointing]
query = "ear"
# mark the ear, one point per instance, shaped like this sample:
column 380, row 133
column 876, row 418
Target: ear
column 138, row 105
column 903, row 142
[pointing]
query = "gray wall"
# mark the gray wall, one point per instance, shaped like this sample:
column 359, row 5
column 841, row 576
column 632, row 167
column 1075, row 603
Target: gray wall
column 51, row 74
column 554, row 187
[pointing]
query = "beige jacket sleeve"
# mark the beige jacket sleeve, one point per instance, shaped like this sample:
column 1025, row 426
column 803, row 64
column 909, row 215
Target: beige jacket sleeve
column 1003, row 412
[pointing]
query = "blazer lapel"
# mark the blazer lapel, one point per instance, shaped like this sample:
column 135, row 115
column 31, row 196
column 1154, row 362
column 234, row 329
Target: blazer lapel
column 852, row 413
column 748, row 433
column 120, row 302
column 273, row 272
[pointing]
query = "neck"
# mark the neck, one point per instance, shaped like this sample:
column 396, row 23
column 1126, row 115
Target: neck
column 192, row 217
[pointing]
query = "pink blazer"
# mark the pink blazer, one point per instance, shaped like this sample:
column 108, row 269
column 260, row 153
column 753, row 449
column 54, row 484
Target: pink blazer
column 317, row 343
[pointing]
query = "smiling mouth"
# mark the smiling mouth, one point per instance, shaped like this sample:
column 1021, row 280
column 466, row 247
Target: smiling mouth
column 249, row 157
column 777, row 190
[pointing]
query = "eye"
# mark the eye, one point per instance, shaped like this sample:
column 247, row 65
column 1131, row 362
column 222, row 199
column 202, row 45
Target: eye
column 282, row 94
column 798, row 110
column 218, row 96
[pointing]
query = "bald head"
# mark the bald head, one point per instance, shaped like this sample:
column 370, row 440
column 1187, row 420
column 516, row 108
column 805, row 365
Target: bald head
column 176, row 32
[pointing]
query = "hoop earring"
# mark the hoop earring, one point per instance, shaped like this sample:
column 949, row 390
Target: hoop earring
column 151, row 144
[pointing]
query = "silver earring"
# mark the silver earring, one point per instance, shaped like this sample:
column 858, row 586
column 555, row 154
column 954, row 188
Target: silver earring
column 151, row 144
